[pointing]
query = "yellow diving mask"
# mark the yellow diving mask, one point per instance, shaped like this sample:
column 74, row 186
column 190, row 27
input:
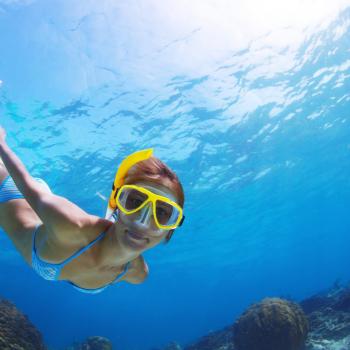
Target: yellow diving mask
column 166, row 213
column 130, row 199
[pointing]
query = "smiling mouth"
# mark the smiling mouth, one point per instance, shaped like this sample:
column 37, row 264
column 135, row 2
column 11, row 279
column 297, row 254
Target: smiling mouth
column 137, row 236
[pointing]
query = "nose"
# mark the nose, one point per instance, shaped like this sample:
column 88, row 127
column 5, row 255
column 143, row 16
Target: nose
column 145, row 215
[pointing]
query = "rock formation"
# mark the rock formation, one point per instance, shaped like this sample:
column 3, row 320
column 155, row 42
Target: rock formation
column 16, row 331
column 273, row 324
column 93, row 343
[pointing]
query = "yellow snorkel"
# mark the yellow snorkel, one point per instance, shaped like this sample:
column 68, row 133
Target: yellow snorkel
column 126, row 164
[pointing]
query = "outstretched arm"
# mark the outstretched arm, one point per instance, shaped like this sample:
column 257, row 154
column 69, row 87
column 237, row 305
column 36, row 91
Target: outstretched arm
column 14, row 166
column 57, row 213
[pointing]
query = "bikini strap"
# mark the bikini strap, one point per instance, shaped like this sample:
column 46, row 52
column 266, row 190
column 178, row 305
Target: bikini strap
column 83, row 249
column 34, row 235
column 126, row 268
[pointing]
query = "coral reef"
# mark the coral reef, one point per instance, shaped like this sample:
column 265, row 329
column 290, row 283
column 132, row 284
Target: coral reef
column 97, row 343
column 220, row 340
column 93, row 343
column 329, row 322
column 276, row 324
column 273, row 324
column 172, row 346
column 16, row 331
column 329, row 316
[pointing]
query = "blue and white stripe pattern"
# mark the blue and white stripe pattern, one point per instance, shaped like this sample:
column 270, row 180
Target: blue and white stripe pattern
column 8, row 190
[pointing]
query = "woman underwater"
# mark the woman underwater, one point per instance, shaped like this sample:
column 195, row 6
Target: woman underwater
column 60, row 241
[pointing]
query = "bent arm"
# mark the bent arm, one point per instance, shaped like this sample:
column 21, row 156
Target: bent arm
column 57, row 213
column 139, row 271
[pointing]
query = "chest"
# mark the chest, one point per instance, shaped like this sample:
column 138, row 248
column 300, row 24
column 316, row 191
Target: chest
column 82, row 264
column 91, row 276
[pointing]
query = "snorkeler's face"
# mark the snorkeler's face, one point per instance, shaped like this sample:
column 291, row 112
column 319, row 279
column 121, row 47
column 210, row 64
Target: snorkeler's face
column 140, row 230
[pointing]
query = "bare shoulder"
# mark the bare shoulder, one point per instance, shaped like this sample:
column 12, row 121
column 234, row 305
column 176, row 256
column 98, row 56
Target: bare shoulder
column 83, row 228
column 90, row 226
column 138, row 271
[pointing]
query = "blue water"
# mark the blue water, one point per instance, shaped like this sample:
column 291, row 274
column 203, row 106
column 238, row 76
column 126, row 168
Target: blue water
column 249, row 104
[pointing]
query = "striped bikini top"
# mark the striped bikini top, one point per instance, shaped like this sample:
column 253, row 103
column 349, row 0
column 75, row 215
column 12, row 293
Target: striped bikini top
column 50, row 271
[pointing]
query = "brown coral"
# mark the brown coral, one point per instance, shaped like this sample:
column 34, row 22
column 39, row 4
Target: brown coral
column 97, row 343
column 16, row 331
column 273, row 324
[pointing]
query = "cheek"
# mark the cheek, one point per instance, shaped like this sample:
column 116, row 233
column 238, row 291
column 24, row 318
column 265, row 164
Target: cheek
column 156, row 239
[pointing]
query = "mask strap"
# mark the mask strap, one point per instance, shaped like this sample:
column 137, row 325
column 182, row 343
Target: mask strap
column 115, row 215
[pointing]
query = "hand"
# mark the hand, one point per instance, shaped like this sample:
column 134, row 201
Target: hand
column 2, row 135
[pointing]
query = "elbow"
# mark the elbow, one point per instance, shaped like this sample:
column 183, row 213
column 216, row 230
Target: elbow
column 139, row 278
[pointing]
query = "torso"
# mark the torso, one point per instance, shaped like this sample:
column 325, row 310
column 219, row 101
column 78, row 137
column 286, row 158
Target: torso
column 19, row 221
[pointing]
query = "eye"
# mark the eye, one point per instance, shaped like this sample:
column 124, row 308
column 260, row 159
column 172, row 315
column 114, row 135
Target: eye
column 161, row 212
column 135, row 202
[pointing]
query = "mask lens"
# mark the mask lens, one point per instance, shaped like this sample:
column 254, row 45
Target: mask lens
column 166, row 213
column 132, row 199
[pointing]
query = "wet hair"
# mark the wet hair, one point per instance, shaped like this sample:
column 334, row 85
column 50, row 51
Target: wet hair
column 154, row 170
